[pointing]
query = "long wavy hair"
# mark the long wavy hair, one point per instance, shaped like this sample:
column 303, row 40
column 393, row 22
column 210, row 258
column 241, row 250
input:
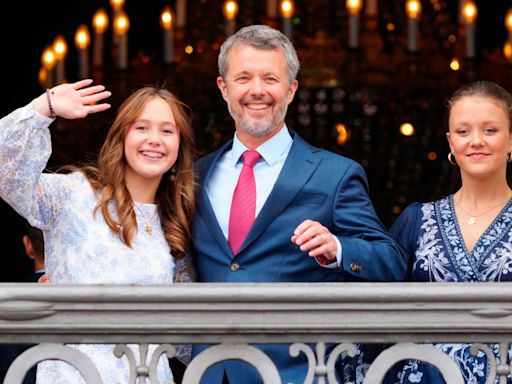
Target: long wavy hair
column 175, row 194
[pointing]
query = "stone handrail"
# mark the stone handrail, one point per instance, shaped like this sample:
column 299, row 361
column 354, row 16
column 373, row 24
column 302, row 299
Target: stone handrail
column 232, row 316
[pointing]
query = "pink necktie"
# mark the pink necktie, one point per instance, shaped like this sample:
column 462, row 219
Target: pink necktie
column 243, row 206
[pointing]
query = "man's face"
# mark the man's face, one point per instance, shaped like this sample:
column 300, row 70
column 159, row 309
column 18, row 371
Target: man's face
column 257, row 91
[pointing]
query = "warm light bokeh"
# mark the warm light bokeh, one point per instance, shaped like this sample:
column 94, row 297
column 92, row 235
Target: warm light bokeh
column 413, row 8
column 121, row 23
column 508, row 20
column 287, row 8
column 60, row 47
column 354, row 6
column 455, row 64
column 100, row 20
column 117, row 4
column 167, row 18
column 48, row 58
column 230, row 10
column 470, row 13
column 82, row 36
column 407, row 129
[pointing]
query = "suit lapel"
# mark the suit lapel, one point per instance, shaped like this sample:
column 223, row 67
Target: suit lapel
column 298, row 167
column 204, row 204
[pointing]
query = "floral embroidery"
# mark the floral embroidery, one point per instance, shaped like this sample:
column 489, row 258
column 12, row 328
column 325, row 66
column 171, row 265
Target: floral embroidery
column 441, row 255
column 79, row 247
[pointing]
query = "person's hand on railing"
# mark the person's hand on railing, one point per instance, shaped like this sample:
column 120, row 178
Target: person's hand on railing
column 44, row 279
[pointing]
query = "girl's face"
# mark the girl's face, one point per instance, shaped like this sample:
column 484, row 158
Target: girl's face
column 479, row 135
column 152, row 142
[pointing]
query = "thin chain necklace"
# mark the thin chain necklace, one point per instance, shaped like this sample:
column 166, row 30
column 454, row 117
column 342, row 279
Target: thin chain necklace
column 146, row 221
column 472, row 218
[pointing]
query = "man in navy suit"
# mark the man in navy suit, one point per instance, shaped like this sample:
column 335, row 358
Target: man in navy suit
column 314, row 221
column 34, row 248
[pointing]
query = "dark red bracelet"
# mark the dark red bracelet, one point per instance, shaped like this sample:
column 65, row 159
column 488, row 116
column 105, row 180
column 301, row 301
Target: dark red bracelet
column 52, row 113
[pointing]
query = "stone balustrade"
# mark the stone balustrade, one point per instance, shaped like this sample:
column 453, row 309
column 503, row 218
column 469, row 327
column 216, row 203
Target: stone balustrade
column 308, row 316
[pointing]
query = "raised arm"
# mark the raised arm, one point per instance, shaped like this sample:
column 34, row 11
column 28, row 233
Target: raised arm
column 72, row 101
column 25, row 147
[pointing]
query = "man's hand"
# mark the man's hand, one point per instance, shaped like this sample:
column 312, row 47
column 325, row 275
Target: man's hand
column 317, row 240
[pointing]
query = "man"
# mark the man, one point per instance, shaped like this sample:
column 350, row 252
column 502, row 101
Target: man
column 34, row 248
column 311, row 219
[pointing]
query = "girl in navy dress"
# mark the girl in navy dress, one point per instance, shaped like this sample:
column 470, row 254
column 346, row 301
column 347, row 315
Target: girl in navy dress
column 466, row 236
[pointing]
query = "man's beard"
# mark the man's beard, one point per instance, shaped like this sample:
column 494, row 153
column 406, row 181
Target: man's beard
column 258, row 127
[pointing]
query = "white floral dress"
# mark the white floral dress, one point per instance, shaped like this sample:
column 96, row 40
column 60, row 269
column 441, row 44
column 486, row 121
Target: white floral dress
column 79, row 247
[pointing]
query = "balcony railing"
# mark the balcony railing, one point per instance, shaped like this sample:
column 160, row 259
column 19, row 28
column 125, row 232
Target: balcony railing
column 233, row 316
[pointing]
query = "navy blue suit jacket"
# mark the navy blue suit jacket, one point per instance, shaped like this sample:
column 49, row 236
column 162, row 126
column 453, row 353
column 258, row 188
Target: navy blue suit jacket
column 314, row 184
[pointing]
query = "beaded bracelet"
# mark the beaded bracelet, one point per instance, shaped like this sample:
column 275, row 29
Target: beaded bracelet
column 52, row 113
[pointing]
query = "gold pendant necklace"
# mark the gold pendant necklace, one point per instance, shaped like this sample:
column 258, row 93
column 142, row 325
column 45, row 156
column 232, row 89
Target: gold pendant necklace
column 145, row 220
column 472, row 218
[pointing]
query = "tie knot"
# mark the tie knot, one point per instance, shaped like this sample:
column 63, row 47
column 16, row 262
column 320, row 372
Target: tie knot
column 250, row 157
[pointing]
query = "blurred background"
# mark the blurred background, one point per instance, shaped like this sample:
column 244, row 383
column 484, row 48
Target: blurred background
column 373, row 84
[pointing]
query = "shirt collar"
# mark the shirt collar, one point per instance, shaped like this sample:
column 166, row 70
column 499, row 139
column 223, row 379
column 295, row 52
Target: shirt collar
column 271, row 150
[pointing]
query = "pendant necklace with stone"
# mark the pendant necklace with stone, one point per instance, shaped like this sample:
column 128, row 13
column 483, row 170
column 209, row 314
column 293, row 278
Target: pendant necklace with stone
column 145, row 220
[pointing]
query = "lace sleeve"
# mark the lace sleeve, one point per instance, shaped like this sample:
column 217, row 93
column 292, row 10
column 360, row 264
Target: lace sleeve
column 185, row 271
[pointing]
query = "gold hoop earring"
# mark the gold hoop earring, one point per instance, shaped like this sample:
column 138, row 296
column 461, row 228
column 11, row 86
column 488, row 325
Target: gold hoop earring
column 451, row 160
column 509, row 157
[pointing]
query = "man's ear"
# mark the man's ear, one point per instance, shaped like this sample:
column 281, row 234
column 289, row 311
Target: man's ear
column 222, row 86
column 29, row 249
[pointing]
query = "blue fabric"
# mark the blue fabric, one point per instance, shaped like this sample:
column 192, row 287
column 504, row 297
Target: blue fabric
column 431, row 235
column 313, row 184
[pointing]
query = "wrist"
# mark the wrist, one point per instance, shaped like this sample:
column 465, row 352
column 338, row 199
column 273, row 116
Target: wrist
column 49, row 94
column 41, row 106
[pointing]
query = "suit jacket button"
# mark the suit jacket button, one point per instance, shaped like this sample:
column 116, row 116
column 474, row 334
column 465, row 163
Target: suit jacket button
column 235, row 267
column 355, row 267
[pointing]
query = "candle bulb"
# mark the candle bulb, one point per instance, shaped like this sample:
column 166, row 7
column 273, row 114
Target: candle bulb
column 42, row 77
column 60, row 48
column 271, row 9
column 166, row 22
column 121, row 27
column 287, row 8
column 100, row 25
column 462, row 5
column 181, row 13
column 508, row 25
column 371, row 8
column 353, row 8
column 470, row 14
column 82, row 40
column 117, row 6
column 413, row 10
column 230, row 10
column 507, row 49
column 48, row 61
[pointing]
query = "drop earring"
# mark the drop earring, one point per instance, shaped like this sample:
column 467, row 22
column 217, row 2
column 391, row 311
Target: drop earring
column 172, row 175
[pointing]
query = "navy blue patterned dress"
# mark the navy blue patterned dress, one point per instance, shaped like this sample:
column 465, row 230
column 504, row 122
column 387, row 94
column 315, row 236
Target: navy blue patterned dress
column 431, row 234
